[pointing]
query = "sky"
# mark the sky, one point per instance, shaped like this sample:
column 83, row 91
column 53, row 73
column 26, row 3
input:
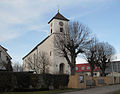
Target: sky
column 24, row 23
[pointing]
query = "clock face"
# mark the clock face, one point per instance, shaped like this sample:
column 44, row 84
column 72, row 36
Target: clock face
column 61, row 23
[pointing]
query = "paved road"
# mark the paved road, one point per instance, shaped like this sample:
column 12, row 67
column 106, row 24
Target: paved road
column 98, row 90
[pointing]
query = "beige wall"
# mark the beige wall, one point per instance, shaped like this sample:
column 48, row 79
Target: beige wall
column 74, row 81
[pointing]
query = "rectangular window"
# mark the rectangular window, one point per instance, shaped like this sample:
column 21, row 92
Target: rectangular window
column 76, row 68
column 83, row 68
column 88, row 67
column 50, row 53
column 81, row 79
column 61, row 29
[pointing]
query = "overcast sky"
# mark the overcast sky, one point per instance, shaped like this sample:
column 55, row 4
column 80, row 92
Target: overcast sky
column 24, row 23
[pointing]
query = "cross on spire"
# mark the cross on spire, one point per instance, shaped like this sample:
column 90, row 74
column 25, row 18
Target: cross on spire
column 58, row 8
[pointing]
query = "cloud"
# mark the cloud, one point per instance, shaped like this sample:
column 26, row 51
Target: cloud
column 8, row 36
column 20, row 16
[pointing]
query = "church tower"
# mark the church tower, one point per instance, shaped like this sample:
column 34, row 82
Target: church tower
column 58, row 24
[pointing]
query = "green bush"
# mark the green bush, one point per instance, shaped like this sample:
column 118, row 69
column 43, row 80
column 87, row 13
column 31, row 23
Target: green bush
column 26, row 81
column 57, row 81
column 23, row 79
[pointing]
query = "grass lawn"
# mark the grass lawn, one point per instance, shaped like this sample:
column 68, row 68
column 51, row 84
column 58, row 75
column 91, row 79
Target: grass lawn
column 39, row 92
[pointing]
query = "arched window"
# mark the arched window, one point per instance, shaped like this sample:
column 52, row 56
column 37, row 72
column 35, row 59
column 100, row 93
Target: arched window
column 51, row 30
column 61, row 68
column 61, row 29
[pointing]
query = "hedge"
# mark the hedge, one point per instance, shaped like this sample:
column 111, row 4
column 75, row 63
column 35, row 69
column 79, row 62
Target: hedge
column 6, row 81
column 21, row 81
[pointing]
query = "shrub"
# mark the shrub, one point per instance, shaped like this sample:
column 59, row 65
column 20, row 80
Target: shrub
column 24, row 81
column 6, row 81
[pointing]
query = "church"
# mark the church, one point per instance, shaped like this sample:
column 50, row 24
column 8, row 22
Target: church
column 58, row 64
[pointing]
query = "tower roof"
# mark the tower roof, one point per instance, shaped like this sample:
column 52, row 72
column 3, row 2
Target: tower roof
column 58, row 16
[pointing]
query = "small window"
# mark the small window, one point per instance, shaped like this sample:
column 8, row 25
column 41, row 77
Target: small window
column 94, row 74
column 81, row 78
column 83, row 68
column 51, row 30
column 7, row 58
column 50, row 53
column 34, row 56
column 76, row 68
column 61, row 29
column 88, row 67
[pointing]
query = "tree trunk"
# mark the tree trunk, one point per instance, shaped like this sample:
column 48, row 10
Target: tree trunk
column 91, row 72
column 73, row 62
column 91, row 67
column 73, row 70
column 103, row 72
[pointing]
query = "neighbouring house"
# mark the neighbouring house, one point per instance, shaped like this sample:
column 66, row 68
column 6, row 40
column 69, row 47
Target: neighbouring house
column 58, row 65
column 113, row 68
column 5, row 59
column 85, row 69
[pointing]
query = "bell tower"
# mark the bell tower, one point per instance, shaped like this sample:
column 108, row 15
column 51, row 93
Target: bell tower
column 58, row 24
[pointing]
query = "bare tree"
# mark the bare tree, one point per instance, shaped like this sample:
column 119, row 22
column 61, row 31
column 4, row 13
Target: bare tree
column 39, row 63
column 104, row 53
column 90, row 55
column 17, row 67
column 73, row 40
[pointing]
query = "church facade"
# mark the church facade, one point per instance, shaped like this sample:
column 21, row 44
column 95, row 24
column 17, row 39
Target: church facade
column 58, row 64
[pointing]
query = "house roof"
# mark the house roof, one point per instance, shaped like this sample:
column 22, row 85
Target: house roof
column 36, row 47
column 115, row 61
column 58, row 16
column 5, row 50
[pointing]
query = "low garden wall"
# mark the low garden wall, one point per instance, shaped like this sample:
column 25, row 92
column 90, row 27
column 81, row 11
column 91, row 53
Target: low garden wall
column 83, row 81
